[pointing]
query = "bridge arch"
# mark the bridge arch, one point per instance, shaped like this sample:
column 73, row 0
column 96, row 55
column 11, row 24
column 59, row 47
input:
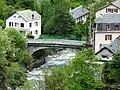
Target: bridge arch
column 38, row 44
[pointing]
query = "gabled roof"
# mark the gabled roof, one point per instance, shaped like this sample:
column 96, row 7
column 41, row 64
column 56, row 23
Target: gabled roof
column 115, row 3
column 78, row 12
column 112, row 47
column 103, row 49
column 27, row 15
column 109, row 18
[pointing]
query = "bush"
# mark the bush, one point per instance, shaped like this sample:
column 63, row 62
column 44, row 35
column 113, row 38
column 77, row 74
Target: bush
column 2, row 23
column 111, row 70
column 30, row 36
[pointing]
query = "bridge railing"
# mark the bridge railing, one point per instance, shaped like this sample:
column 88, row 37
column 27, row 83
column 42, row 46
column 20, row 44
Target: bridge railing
column 56, row 41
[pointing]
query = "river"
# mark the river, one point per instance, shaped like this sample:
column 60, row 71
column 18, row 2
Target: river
column 61, row 58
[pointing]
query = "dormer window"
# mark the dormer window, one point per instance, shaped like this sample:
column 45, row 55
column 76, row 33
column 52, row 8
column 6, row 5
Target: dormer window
column 116, row 27
column 108, row 27
column 105, row 56
column 32, row 16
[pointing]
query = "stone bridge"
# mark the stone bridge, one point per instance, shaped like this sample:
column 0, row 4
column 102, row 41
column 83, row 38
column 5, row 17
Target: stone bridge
column 37, row 44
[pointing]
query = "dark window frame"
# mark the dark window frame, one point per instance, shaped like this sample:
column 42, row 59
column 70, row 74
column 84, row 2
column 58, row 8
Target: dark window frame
column 30, row 24
column 21, row 24
column 108, row 37
column 36, row 32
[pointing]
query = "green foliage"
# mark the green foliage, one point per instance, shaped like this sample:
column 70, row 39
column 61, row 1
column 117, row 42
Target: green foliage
column 111, row 70
column 29, row 35
column 56, row 18
column 2, row 23
column 81, row 74
column 4, row 47
column 75, row 4
column 8, row 11
column 15, row 75
column 14, row 58
column 8, row 7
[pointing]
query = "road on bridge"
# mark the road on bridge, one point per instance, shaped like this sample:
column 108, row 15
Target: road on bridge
column 56, row 42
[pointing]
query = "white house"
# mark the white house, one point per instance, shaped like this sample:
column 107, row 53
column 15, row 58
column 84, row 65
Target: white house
column 107, row 30
column 80, row 14
column 26, row 21
column 112, row 8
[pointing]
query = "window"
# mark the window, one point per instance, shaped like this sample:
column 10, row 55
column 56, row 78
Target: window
column 16, row 24
column 22, row 24
column 10, row 23
column 14, row 16
column 36, row 31
column 30, row 24
column 108, row 37
column 116, row 27
column 116, row 10
column 36, row 23
column 104, row 56
column 108, row 27
column 111, row 10
column 32, row 16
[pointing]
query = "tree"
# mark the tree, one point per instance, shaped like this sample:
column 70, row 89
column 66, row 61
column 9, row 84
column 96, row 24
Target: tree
column 111, row 70
column 8, row 11
column 81, row 74
column 59, row 21
column 4, row 47
column 14, row 59
column 75, row 4
column 2, row 6
column 27, row 4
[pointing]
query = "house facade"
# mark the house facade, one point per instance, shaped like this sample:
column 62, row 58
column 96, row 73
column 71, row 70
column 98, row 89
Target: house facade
column 107, row 30
column 26, row 21
column 80, row 14
column 113, row 8
column 104, row 54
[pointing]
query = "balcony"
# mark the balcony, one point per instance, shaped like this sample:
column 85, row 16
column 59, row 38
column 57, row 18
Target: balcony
column 107, row 27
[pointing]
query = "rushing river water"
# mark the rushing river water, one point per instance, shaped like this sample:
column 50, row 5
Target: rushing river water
column 61, row 58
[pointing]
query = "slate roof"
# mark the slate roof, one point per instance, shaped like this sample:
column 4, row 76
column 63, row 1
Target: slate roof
column 116, row 3
column 78, row 12
column 109, row 18
column 112, row 47
column 102, row 50
column 27, row 15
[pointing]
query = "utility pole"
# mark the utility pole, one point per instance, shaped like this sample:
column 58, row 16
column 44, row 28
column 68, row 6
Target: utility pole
column 90, row 27
column 90, row 23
